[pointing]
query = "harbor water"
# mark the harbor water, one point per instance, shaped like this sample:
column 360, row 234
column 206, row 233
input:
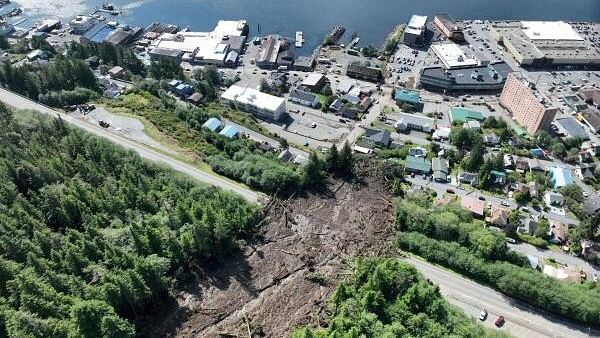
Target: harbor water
column 370, row 19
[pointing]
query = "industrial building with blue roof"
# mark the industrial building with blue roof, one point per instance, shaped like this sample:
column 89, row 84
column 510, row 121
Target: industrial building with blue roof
column 213, row 123
column 230, row 131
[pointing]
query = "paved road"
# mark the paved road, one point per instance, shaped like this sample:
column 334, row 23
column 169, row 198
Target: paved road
column 522, row 320
column 20, row 102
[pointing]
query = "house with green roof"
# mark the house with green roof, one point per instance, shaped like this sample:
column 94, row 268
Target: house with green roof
column 462, row 115
column 410, row 97
column 418, row 165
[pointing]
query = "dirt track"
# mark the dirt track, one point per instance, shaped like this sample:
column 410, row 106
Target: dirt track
column 285, row 277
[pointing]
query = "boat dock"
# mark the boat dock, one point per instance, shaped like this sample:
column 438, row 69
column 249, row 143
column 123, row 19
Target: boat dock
column 299, row 39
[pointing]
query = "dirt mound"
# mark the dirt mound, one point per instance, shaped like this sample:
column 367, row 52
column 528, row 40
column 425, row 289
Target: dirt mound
column 285, row 277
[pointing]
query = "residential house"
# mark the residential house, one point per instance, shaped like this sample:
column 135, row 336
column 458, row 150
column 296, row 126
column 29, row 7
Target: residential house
column 509, row 161
column 497, row 178
column 591, row 147
column 560, row 177
column 591, row 205
column 521, row 166
column 408, row 122
column 585, row 157
column 277, row 80
column 554, row 199
column 536, row 165
column 585, row 170
column 534, row 189
column 116, row 72
column 441, row 133
column 378, row 137
column 527, row 226
column 303, row 97
column 196, row 98
column 468, row 178
column 286, row 155
column 558, row 232
column 440, row 169
column 498, row 216
column 537, row 152
column 473, row 205
column 590, row 251
column 183, row 90
column 350, row 112
column 491, row 140
column 472, row 125
column 336, row 105
column 417, row 165
column 36, row 55
column 417, row 152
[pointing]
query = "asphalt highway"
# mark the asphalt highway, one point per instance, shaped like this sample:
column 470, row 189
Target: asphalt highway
column 22, row 103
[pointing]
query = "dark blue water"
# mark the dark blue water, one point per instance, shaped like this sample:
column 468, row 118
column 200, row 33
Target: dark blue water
column 371, row 19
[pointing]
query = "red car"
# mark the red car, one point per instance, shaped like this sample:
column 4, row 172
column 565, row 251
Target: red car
column 500, row 321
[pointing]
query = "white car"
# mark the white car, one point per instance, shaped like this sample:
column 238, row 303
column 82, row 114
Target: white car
column 483, row 315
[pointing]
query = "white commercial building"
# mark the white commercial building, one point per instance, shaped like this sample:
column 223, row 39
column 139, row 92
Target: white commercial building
column 452, row 56
column 255, row 102
column 415, row 30
column 81, row 24
column 203, row 47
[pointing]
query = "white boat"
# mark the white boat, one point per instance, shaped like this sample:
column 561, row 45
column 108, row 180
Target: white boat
column 299, row 39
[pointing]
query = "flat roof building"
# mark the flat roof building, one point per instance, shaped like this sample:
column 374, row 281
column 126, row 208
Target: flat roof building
column 527, row 106
column 462, row 115
column 255, row 102
column 81, row 24
column 415, row 30
column 571, row 128
column 449, row 28
column 410, row 97
column 358, row 71
column 203, row 47
column 452, row 56
column 483, row 78
column 544, row 43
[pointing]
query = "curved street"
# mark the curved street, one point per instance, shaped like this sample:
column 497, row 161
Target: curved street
column 22, row 103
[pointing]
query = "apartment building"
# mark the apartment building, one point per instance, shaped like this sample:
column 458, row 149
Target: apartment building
column 527, row 106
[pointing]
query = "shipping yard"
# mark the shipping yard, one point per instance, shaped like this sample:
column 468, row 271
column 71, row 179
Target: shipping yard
column 527, row 91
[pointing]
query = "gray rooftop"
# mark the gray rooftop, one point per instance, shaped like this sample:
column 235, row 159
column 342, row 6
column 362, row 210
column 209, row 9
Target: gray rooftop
column 572, row 128
column 493, row 74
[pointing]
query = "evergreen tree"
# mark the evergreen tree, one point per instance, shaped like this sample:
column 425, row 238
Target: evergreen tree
column 332, row 161
column 313, row 171
column 346, row 162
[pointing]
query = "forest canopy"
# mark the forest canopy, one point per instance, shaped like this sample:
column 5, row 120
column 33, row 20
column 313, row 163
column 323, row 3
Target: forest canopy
column 92, row 237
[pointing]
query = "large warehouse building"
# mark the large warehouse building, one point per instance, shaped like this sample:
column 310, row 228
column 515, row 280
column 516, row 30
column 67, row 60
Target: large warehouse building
column 255, row 102
column 544, row 43
column 489, row 77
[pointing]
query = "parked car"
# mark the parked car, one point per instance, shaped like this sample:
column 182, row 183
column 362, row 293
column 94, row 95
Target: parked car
column 481, row 198
column 483, row 315
column 450, row 191
column 511, row 240
column 500, row 321
column 504, row 203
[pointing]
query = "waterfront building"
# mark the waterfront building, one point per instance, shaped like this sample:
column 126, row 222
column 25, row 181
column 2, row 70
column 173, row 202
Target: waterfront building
column 81, row 24
column 255, row 102
column 544, row 43
column 452, row 56
column 449, row 28
column 527, row 106
column 415, row 30
column 358, row 71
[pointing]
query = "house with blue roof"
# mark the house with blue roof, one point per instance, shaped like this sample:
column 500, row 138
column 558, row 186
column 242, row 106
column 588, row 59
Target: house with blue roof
column 213, row 123
column 230, row 131
column 560, row 177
